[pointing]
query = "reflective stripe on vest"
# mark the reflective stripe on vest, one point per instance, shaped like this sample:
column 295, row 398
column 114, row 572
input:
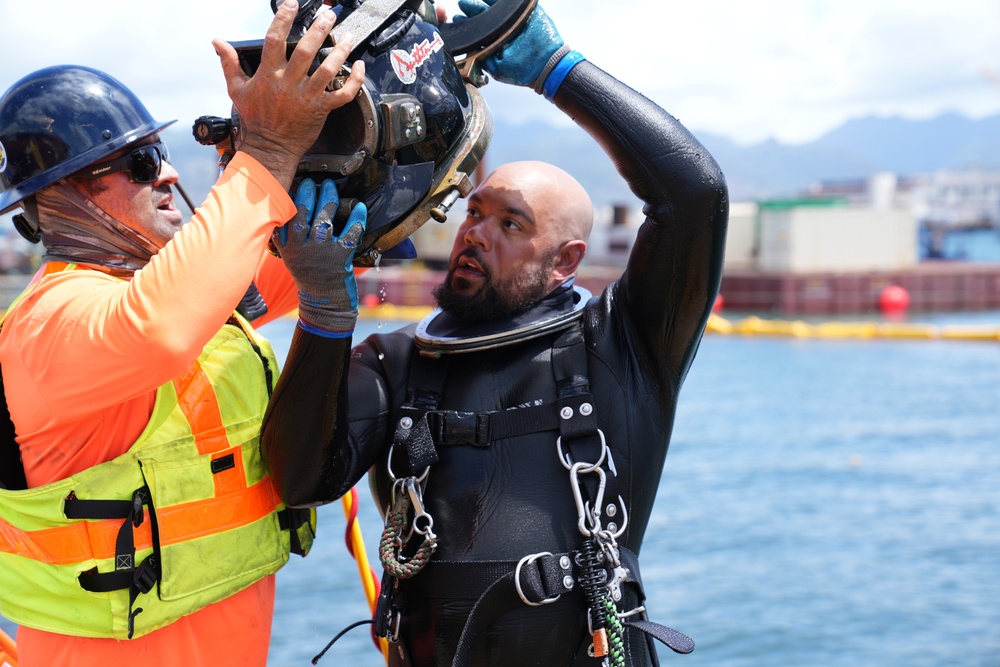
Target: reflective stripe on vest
column 214, row 525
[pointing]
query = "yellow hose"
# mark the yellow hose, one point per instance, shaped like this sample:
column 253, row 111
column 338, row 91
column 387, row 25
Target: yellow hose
column 368, row 580
column 8, row 651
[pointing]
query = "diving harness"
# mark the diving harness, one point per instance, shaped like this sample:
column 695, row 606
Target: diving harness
column 599, row 567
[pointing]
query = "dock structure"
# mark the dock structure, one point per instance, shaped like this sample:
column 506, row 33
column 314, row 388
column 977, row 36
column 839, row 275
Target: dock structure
column 933, row 286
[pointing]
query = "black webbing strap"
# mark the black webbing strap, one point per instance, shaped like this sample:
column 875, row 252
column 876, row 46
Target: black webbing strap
column 413, row 432
column 11, row 468
column 578, row 418
column 483, row 428
column 291, row 519
column 468, row 580
column 579, row 433
column 678, row 642
column 137, row 579
column 539, row 580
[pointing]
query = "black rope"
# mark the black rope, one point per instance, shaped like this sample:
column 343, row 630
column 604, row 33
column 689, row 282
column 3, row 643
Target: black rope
column 592, row 578
column 339, row 635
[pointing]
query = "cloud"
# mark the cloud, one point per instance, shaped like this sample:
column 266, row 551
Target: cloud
column 787, row 69
column 162, row 51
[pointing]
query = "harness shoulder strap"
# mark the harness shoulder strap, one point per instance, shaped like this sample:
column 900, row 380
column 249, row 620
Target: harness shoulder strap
column 413, row 431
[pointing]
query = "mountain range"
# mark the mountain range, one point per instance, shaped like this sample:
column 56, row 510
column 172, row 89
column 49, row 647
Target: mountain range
column 769, row 169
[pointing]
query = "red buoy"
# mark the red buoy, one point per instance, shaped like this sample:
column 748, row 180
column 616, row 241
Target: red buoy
column 893, row 299
column 720, row 303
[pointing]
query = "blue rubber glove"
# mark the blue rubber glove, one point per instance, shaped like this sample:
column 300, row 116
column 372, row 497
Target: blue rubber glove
column 524, row 59
column 321, row 263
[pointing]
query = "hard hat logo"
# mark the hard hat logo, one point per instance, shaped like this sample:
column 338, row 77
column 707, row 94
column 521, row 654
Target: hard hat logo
column 405, row 64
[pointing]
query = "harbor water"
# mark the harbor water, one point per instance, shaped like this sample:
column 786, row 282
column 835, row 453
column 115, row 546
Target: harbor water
column 825, row 503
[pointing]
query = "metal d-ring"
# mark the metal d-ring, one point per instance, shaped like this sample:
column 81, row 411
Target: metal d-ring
column 565, row 460
column 528, row 560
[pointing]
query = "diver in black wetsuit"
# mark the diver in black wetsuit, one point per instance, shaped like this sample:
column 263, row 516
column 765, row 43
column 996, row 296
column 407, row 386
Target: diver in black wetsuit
column 521, row 429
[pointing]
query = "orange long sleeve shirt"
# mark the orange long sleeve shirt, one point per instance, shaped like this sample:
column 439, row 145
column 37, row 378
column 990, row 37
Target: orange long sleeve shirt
column 82, row 356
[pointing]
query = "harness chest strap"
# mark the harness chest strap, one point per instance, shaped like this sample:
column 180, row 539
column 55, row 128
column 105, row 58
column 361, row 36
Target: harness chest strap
column 422, row 427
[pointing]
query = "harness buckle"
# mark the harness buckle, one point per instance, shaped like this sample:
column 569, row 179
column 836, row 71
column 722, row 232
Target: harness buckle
column 528, row 560
column 459, row 428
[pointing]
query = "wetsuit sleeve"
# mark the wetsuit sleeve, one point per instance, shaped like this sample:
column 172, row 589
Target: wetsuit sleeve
column 314, row 453
column 304, row 432
column 675, row 268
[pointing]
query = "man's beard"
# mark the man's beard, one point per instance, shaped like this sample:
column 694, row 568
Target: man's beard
column 497, row 299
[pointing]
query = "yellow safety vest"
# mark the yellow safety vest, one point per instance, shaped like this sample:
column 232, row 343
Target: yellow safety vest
column 187, row 517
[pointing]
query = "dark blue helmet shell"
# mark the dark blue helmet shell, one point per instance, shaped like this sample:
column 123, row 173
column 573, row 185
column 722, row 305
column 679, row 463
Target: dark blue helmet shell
column 60, row 119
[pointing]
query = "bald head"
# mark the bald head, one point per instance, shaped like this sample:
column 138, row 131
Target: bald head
column 559, row 204
column 524, row 234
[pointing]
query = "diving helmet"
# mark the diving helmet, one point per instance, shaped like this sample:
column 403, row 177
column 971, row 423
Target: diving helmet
column 56, row 121
column 409, row 143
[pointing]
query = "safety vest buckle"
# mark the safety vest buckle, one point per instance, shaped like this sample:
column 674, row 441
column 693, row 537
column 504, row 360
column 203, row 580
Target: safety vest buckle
column 139, row 498
column 146, row 575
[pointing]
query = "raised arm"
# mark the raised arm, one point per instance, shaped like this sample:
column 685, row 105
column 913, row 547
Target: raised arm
column 675, row 268
column 673, row 274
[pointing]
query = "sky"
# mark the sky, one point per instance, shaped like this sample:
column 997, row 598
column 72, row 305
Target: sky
column 787, row 70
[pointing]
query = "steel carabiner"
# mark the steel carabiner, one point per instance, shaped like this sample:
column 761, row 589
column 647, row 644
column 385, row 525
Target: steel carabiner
column 583, row 509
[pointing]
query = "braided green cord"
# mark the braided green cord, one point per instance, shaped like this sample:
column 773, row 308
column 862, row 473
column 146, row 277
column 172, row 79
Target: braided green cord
column 616, row 633
column 396, row 525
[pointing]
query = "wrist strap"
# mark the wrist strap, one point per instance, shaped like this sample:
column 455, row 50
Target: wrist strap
column 325, row 333
column 559, row 72
column 549, row 66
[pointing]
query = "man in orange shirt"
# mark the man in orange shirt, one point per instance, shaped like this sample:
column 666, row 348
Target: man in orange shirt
column 135, row 392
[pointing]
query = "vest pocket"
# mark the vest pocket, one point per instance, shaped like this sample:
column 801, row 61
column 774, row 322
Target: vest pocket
column 226, row 535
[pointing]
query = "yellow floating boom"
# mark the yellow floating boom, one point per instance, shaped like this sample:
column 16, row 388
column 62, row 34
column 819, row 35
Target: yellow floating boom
column 756, row 326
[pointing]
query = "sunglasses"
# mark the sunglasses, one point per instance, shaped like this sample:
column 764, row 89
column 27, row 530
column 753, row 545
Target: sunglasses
column 143, row 164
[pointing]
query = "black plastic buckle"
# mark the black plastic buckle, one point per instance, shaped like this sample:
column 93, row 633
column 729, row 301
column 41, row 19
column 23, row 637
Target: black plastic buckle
column 146, row 575
column 459, row 428
column 386, row 620
column 139, row 498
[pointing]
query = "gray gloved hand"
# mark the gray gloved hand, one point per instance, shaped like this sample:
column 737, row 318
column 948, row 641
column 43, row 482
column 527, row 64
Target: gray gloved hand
column 320, row 262
column 527, row 58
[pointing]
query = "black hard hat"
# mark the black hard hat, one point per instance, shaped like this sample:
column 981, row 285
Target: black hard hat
column 410, row 142
column 60, row 119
